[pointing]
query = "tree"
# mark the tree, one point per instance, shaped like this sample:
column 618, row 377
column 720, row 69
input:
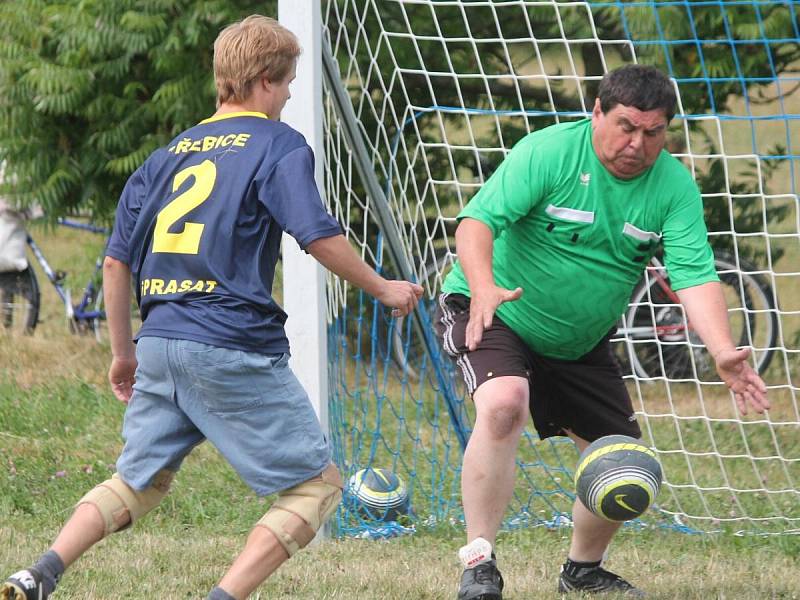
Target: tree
column 89, row 88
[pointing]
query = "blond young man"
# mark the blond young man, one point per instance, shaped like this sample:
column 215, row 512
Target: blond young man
column 198, row 228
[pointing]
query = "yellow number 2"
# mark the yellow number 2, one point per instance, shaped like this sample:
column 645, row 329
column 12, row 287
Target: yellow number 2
column 188, row 240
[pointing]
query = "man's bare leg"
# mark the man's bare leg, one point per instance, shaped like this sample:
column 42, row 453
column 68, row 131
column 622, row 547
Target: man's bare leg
column 261, row 556
column 82, row 531
column 487, row 477
column 591, row 534
column 487, row 480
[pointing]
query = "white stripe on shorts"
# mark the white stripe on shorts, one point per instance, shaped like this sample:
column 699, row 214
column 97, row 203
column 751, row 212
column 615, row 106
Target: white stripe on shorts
column 448, row 319
column 462, row 359
column 468, row 373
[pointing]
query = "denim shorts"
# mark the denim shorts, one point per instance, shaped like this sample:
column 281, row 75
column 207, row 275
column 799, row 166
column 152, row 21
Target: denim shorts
column 250, row 406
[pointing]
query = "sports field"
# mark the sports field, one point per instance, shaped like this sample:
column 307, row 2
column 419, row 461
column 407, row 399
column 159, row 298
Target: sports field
column 59, row 435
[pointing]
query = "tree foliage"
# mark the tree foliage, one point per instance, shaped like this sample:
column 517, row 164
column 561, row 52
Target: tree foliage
column 89, row 88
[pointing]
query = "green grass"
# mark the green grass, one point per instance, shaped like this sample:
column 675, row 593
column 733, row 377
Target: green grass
column 59, row 437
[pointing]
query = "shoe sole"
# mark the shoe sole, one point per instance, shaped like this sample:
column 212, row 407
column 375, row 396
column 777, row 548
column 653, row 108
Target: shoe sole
column 9, row 591
column 564, row 590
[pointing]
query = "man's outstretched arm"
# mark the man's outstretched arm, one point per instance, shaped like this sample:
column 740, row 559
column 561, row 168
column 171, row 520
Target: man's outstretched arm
column 708, row 316
column 337, row 255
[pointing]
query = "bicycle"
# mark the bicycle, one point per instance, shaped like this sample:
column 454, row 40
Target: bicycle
column 658, row 342
column 20, row 294
column 653, row 339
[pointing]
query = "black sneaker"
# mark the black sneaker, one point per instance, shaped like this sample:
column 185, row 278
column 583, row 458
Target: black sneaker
column 596, row 580
column 481, row 582
column 24, row 585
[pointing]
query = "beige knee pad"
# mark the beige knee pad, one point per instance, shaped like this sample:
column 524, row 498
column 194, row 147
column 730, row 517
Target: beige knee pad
column 120, row 505
column 299, row 512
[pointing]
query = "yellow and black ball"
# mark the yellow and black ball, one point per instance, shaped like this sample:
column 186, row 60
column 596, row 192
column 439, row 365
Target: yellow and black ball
column 617, row 477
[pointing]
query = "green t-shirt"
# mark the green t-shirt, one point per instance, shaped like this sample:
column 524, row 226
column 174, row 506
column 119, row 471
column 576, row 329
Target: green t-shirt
column 577, row 239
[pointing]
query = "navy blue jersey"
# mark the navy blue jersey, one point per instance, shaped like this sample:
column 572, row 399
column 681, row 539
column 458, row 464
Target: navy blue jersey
column 200, row 224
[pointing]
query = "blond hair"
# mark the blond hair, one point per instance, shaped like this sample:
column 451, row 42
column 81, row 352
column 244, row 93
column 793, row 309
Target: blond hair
column 255, row 47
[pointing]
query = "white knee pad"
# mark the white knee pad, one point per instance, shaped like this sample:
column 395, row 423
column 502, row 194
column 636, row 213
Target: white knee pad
column 120, row 505
column 299, row 512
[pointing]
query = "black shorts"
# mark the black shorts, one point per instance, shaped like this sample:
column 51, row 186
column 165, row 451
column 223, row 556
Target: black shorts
column 586, row 396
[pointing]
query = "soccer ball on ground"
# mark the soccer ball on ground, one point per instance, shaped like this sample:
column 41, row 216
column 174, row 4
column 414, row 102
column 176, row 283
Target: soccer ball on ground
column 617, row 477
column 378, row 494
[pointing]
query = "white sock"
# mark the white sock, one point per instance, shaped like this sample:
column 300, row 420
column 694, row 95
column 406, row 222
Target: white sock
column 476, row 552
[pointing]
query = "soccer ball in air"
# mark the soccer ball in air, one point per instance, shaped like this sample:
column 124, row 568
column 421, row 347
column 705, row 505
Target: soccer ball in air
column 617, row 477
column 378, row 494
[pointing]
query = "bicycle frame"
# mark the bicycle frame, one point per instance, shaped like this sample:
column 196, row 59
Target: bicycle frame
column 655, row 269
column 82, row 311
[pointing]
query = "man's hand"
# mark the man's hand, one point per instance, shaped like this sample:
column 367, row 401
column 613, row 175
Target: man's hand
column 744, row 382
column 121, row 376
column 401, row 296
column 482, row 307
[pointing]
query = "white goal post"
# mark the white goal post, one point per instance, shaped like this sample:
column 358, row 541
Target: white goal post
column 304, row 277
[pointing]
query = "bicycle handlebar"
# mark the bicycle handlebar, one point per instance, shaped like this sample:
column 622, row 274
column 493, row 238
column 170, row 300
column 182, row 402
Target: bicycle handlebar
column 84, row 226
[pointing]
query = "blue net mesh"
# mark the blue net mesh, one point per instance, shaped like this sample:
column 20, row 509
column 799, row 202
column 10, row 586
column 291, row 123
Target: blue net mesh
column 441, row 91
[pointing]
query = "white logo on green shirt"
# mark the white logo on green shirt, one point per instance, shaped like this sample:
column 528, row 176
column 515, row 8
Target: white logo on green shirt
column 585, row 177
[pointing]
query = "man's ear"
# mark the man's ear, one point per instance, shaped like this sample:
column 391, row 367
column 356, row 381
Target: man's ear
column 596, row 111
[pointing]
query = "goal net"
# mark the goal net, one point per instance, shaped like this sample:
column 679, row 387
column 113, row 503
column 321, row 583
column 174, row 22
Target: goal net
column 423, row 99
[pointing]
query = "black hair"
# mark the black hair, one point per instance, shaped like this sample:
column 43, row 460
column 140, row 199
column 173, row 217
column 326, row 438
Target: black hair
column 639, row 86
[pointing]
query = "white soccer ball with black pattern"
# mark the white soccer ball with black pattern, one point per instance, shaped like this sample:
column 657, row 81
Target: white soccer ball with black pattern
column 378, row 494
column 618, row 477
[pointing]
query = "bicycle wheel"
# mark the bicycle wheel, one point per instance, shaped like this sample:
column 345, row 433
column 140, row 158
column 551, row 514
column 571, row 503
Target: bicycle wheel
column 662, row 346
column 751, row 307
column 19, row 301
